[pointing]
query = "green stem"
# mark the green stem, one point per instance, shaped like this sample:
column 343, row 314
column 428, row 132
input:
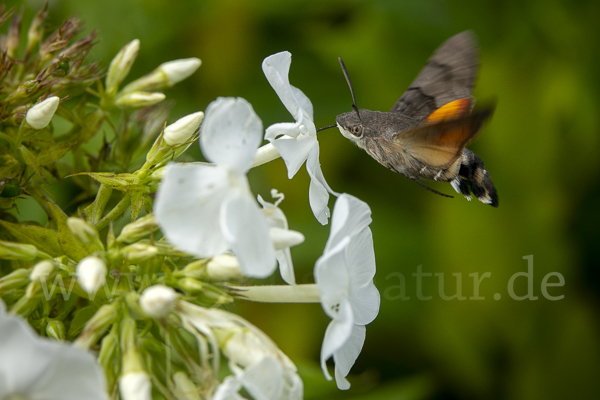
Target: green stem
column 115, row 212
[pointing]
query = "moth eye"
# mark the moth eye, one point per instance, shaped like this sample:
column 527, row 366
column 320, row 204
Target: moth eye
column 357, row 130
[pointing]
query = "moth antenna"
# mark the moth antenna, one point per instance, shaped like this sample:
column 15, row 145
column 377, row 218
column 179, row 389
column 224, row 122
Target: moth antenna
column 326, row 127
column 354, row 105
column 432, row 190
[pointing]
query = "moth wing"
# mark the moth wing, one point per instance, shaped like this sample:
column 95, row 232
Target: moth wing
column 439, row 142
column 448, row 75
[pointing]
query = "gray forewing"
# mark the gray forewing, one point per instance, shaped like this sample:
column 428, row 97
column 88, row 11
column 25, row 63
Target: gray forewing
column 449, row 75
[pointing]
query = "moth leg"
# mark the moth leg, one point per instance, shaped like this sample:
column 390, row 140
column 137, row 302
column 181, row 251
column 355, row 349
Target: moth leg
column 439, row 174
column 430, row 189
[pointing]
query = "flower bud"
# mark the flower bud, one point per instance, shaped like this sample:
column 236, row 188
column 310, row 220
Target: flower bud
column 91, row 274
column 178, row 70
column 39, row 116
column 120, row 66
column 139, row 252
column 284, row 238
column 41, row 270
column 165, row 75
column 36, row 29
column 138, row 99
column 97, row 325
column 15, row 279
column 135, row 386
column 224, row 267
column 85, row 232
column 56, row 330
column 184, row 387
column 138, row 229
column 158, row 300
column 190, row 285
column 182, row 130
column 17, row 251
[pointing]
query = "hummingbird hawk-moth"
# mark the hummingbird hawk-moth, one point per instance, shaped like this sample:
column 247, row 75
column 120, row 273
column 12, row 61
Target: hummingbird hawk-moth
column 425, row 133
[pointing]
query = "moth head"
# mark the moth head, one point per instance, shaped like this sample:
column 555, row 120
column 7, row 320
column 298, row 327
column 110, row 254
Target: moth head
column 350, row 125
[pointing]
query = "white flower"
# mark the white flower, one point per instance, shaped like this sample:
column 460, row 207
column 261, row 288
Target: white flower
column 91, row 274
column 40, row 115
column 265, row 379
column 32, row 367
column 206, row 210
column 297, row 142
column 257, row 363
column 281, row 236
column 344, row 276
column 182, row 130
column 135, row 386
column 158, row 300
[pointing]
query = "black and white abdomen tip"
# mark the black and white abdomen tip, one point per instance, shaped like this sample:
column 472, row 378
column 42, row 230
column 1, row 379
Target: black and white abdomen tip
column 474, row 178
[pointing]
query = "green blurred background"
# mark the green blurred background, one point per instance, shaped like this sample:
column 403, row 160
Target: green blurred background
column 539, row 62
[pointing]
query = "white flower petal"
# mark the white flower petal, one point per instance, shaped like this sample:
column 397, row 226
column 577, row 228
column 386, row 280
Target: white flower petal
column 365, row 303
column 350, row 216
column 264, row 379
column 187, row 208
column 331, row 276
column 294, row 151
column 346, row 356
column 318, row 192
column 361, row 258
column 38, row 368
column 231, row 133
column 286, row 267
column 337, row 334
column 245, row 228
column 276, row 68
column 283, row 130
column 304, row 101
column 228, row 390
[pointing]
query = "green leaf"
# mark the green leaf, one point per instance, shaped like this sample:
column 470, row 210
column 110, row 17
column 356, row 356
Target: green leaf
column 137, row 201
column 81, row 317
column 32, row 161
column 9, row 166
column 54, row 153
column 43, row 239
column 70, row 246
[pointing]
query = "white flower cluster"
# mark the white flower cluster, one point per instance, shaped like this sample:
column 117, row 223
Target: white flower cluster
column 207, row 210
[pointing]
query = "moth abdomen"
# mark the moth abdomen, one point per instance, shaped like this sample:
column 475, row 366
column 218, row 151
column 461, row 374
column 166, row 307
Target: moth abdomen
column 474, row 178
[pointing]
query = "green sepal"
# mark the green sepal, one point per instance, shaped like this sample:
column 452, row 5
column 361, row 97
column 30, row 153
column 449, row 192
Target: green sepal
column 81, row 317
column 43, row 239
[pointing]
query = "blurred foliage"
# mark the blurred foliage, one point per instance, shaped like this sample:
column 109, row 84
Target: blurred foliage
column 539, row 61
